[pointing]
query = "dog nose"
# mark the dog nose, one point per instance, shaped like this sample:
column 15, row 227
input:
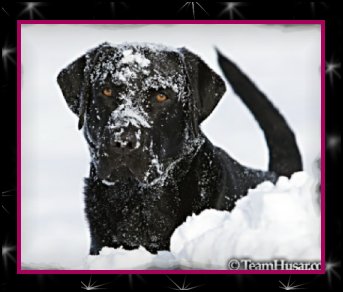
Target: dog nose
column 124, row 141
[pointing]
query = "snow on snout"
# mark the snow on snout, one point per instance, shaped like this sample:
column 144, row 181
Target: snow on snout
column 125, row 115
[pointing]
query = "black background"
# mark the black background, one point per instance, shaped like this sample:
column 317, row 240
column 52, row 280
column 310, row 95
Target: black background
column 11, row 11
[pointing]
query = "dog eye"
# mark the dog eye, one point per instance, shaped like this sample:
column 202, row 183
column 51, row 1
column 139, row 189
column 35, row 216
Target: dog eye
column 160, row 97
column 107, row 91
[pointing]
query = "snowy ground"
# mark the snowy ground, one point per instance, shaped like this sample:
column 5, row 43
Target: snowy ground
column 272, row 222
column 285, row 64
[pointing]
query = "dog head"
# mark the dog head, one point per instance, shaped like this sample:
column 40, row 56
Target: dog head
column 140, row 106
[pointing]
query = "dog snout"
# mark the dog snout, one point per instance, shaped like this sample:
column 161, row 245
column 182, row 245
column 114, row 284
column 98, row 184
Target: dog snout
column 124, row 140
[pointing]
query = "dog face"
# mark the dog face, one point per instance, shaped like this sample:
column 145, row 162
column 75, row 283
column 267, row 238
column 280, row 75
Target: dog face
column 140, row 106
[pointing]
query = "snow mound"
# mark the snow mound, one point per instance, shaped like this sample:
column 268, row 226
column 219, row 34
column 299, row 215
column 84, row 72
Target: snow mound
column 121, row 259
column 279, row 221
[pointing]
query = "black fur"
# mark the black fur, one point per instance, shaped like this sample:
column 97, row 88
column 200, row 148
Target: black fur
column 129, row 202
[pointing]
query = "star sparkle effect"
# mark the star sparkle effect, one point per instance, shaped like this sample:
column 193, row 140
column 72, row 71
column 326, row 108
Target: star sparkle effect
column 3, row 195
column 231, row 9
column 131, row 278
column 332, row 70
column 193, row 5
column 91, row 286
column 290, row 286
column 314, row 6
column 6, row 53
column 333, row 142
column 114, row 4
column 5, row 11
column 184, row 286
column 7, row 255
column 31, row 9
column 331, row 270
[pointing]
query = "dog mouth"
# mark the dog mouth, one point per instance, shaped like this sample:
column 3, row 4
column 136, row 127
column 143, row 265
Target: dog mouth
column 137, row 166
column 120, row 172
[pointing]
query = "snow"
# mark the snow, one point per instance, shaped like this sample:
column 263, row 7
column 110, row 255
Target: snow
column 123, row 75
column 155, row 164
column 190, row 150
column 272, row 222
column 121, row 259
column 175, row 82
column 279, row 221
column 129, row 58
column 283, row 61
column 127, row 61
column 129, row 115
column 107, row 183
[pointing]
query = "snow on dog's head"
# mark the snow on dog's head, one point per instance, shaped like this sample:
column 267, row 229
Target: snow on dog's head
column 140, row 105
column 147, row 85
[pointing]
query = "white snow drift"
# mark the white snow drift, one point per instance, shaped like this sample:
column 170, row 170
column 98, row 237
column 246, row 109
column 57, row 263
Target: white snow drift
column 279, row 221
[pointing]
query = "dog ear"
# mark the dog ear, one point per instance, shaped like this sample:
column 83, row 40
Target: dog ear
column 207, row 86
column 74, row 81
column 71, row 81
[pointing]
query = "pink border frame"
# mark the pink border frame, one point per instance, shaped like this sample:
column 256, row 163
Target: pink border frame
column 323, row 145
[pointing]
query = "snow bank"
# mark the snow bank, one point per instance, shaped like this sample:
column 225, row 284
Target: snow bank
column 279, row 221
column 121, row 259
column 271, row 222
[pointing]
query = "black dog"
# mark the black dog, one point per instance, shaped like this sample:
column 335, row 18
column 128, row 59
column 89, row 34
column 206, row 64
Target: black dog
column 141, row 107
